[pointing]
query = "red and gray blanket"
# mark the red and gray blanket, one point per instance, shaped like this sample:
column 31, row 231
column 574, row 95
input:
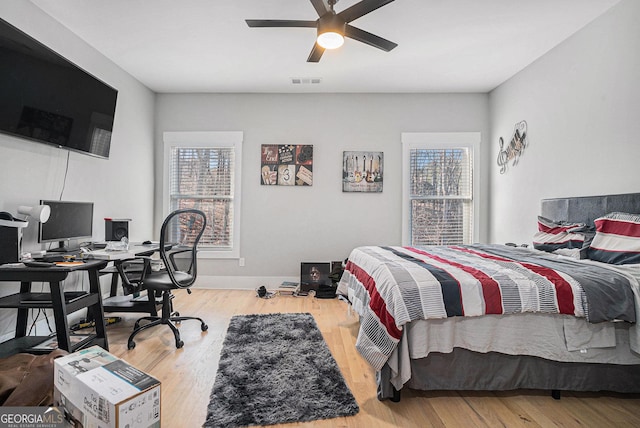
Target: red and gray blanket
column 392, row 286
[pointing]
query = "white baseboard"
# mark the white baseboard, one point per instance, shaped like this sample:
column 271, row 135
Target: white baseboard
column 241, row 282
column 204, row 281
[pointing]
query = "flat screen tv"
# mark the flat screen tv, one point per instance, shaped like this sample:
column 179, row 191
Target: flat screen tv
column 68, row 221
column 48, row 99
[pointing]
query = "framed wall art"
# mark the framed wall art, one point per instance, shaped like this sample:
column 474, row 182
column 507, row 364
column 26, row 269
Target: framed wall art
column 286, row 165
column 362, row 171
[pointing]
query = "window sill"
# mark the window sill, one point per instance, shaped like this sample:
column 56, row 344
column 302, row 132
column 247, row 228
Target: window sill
column 213, row 254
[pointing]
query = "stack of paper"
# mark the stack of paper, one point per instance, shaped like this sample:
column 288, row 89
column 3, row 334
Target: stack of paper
column 110, row 254
column 288, row 288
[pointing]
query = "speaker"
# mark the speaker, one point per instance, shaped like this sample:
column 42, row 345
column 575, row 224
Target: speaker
column 115, row 230
column 10, row 244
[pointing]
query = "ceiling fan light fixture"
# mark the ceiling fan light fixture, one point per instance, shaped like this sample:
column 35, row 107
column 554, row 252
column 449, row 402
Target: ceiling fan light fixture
column 330, row 40
column 331, row 29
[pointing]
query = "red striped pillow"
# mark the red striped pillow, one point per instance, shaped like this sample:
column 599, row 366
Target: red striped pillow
column 550, row 226
column 554, row 235
column 617, row 239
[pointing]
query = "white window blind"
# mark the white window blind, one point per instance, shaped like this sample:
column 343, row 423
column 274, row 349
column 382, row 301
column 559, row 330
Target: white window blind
column 203, row 178
column 441, row 196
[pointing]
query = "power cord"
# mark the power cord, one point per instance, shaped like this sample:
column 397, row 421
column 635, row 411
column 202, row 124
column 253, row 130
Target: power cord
column 66, row 171
column 34, row 319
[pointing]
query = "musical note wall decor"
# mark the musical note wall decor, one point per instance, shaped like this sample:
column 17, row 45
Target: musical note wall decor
column 514, row 149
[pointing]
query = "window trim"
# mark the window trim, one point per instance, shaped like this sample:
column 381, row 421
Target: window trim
column 438, row 140
column 208, row 139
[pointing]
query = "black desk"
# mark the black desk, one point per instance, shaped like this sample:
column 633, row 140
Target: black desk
column 62, row 304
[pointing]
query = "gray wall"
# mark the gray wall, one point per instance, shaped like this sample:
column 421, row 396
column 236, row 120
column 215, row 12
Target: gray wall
column 120, row 187
column 582, row 105
column 283, row 226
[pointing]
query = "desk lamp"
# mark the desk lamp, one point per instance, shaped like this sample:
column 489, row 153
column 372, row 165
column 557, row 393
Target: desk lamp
column 40, row 212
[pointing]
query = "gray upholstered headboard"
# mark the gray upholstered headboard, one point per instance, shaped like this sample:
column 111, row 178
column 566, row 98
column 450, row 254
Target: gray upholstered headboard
column 585, row 209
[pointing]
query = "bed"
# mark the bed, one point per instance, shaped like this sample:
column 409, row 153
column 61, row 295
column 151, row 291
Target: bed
column 560, row 316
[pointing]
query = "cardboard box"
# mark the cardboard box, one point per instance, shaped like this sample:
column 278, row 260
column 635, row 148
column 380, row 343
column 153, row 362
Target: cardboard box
column 97, row 389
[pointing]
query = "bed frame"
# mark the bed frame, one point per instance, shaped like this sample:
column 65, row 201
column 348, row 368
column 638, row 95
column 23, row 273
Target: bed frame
column 495, row 371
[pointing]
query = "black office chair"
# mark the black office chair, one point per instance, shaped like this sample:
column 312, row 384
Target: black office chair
column 184, row 228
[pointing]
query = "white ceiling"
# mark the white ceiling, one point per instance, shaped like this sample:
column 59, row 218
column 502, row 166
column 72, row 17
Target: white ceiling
column 206, row 46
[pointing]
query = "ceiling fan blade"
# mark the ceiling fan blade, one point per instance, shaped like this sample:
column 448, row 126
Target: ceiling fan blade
column 368, row 38
column 316, row 53
column 320, row 6
column 280, row 23
column 362, row 8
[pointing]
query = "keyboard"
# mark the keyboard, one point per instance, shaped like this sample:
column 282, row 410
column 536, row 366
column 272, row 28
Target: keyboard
column 54, row 257
column 60, row 257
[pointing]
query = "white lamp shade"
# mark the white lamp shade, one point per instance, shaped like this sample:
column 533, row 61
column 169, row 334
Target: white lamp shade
column 40, row 212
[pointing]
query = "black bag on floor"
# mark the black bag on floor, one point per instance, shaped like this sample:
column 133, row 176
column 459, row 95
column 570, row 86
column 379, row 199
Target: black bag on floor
column 326, row 291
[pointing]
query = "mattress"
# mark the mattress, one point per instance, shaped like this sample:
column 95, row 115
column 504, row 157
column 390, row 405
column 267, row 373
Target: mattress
column 413, row 301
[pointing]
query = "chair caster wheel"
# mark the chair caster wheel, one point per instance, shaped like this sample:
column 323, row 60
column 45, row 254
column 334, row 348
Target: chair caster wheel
column 179, row 344
column 204, row 327
column 131, row 344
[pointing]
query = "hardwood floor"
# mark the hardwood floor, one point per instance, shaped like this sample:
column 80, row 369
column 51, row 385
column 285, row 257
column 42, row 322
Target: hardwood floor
column 187, row 374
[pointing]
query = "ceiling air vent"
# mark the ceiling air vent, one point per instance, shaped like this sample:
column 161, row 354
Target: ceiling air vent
column 306, row 80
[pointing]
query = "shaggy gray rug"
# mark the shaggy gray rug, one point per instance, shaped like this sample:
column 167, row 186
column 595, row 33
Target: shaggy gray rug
column 276, row 368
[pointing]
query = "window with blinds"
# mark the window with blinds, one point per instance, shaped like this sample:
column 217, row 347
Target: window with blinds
column 203, row 178
column 441, row 196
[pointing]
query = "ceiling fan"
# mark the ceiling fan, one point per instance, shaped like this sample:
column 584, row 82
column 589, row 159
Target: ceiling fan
column 333, row 27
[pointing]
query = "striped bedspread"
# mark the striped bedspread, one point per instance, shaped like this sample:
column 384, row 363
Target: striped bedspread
column 392, row 286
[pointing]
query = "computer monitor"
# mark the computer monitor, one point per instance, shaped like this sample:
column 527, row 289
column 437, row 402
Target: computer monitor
column 68, row 220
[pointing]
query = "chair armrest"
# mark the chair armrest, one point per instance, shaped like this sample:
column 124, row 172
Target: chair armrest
column 132, row 284
column 171, row 254
column 177, row 250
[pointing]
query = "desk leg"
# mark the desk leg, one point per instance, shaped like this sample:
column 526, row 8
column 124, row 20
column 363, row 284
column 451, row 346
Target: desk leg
column 114, row 283
column 23, row 313
column 97, row 311
column 60, row 316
